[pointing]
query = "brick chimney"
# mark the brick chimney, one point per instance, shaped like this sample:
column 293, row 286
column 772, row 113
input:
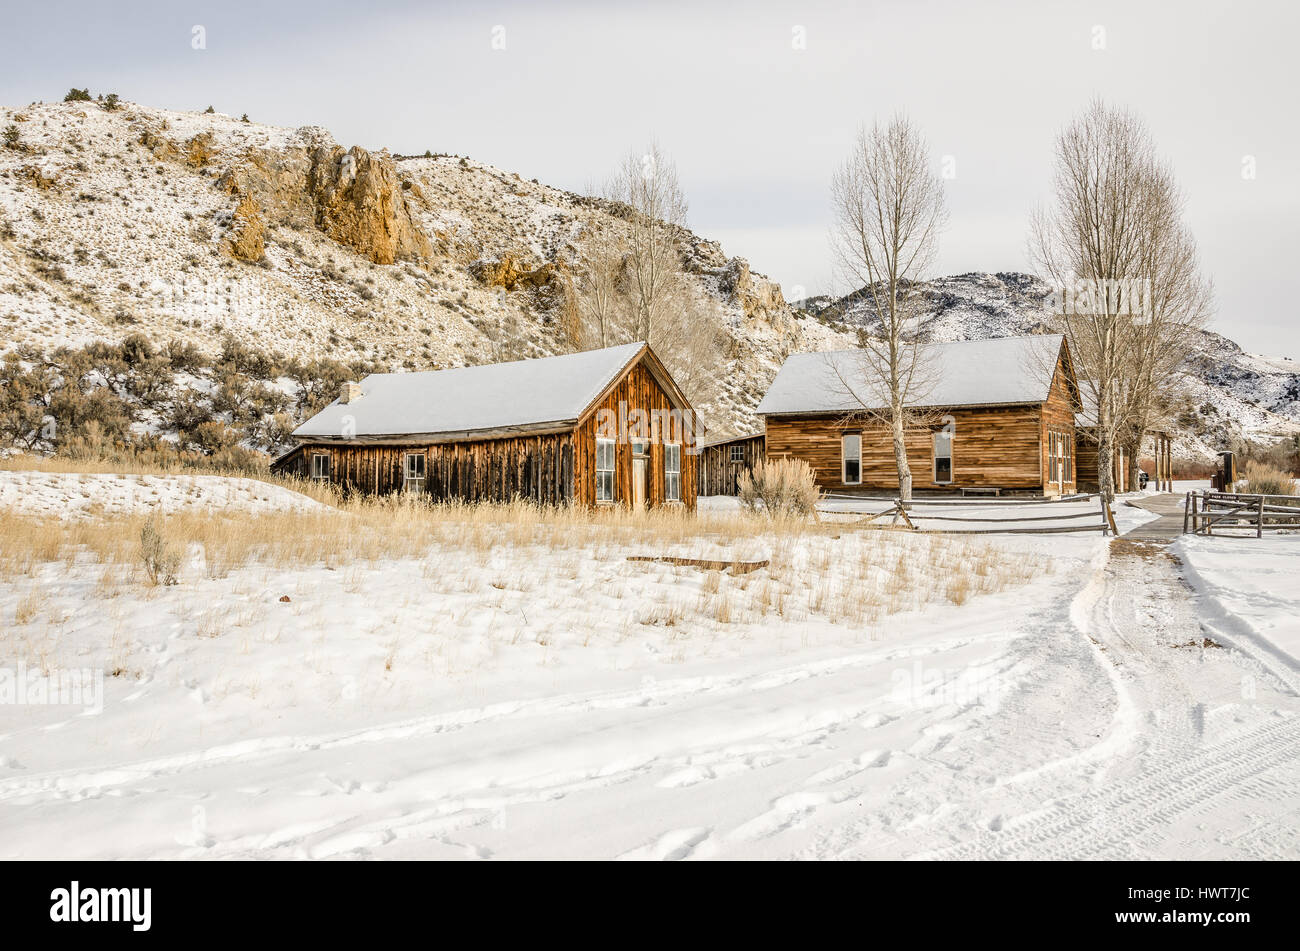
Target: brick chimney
column 350, row 393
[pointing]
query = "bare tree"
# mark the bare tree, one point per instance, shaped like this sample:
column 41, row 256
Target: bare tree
column 1126, row 269
column 889, row 211
column 647, row 184
column 600, row 298
column 633, row 285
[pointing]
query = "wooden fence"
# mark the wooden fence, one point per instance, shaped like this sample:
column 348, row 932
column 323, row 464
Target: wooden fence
column 993, row 522
column 1232, row 512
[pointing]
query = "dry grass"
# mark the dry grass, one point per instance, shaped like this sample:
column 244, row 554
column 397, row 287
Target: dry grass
column 507, row 560
column 366, row 531
column 1263, row 479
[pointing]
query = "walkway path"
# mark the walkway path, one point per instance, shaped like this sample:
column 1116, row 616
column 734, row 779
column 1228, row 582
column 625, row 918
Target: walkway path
column 1166, row 528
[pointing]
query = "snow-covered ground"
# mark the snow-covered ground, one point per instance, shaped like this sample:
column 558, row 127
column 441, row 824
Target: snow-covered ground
column 520, row 702
column 1249, row 587
column 76, row 494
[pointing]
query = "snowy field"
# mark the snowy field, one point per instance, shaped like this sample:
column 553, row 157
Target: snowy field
column 75, row 495
column 500, row 693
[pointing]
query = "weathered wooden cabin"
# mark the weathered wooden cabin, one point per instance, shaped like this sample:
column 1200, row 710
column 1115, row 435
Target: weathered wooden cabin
column 722, row 461
column 603, row 427
column 999, row 418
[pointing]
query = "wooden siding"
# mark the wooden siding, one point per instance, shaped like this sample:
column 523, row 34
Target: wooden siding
column 718, row 474
column 539, row 468
column 992, row 447
column 1058, row 416
column 637, row 389
column 1089, row 478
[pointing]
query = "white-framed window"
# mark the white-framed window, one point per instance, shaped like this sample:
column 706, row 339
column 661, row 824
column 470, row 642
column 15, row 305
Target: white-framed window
column 851, row 459
column 1053, row 470
column 413, row 472
column 672, row 472
column 737, row 454
column 604, row 470
column 1068, row 472
column 942, row 457
column 320, row 466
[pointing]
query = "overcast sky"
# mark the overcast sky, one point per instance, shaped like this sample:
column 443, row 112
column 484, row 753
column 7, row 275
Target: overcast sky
column 757, row 102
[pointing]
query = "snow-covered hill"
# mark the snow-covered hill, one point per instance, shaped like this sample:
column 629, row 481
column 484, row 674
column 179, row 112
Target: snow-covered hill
column 1221, row 393
column 200, row 227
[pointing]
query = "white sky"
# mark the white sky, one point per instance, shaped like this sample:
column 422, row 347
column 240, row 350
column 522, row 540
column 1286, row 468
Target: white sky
column 756, row 126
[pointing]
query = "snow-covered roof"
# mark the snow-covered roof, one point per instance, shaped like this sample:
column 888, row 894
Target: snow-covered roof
column 522, row 394
column 1000, row 371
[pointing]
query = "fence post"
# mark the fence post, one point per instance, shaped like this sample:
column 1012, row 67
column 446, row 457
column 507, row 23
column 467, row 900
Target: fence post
column 1259, row 517
column 1187, row 510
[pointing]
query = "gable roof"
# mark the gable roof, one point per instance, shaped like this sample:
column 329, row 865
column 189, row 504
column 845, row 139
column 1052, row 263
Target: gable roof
column 997, row 372
column 502, row 397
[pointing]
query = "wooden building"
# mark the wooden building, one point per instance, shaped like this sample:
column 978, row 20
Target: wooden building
column 722, row 462
column 1124, row 461
column 602, row 427
column 999, row 417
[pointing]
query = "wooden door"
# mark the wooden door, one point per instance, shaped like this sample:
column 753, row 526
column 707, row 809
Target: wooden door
column 638, row 481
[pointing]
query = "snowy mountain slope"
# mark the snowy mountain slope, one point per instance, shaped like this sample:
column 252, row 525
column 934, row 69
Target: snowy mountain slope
column 1221, row 393
column 200, row 225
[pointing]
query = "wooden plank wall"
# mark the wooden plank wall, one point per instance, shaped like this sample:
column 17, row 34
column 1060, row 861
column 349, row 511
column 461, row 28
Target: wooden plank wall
column 638, row 389
column 718, row 474
column 1058, row 416
column 993, row 447
column 539, row 468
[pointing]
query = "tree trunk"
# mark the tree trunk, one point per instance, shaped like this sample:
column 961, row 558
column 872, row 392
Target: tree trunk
column 900, row 459
column 1105, row 467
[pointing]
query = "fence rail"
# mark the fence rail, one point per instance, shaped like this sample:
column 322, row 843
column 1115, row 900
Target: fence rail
column 907, row 514
column 1232, row 512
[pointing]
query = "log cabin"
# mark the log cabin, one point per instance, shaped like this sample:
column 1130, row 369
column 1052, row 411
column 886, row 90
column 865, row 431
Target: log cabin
column 723, row 460
column 997, row 417
column 603, row 427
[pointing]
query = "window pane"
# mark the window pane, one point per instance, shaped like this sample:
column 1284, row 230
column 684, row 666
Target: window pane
column 943, row 469
column 852, row 471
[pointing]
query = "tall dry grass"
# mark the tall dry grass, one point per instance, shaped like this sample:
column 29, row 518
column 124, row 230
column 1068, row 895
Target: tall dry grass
column 369, row 530
column 1265, row 479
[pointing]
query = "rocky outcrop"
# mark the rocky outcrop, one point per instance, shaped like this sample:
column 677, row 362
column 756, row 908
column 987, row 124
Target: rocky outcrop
column 247, row 238
column 200, row 150
column 506, row 272
column 360, row 203
column 757, row 296
column 158, row 144
column 351, row 195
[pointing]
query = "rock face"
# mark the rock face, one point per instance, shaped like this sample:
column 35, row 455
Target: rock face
column 352, row 196
column 200, row 150
column 360, row 203
column 506, row 272
column 247, row 238
column 756, row 297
